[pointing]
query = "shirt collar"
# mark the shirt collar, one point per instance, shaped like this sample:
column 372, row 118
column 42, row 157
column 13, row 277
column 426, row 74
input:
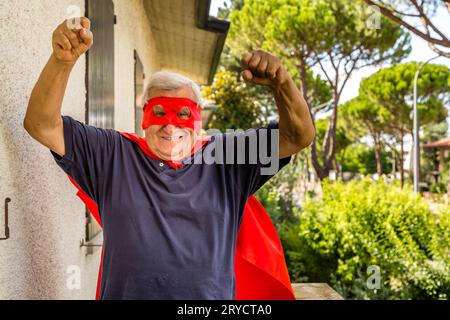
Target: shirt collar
column 142, row 143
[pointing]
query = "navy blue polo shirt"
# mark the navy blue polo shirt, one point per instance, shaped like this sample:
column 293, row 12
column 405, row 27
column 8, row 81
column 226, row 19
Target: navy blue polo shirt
column 168, row 233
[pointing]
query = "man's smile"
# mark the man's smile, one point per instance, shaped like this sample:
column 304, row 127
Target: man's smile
column 173, row 138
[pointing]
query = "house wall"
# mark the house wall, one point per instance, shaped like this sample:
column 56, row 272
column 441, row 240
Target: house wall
column 47, row 221
column 130, row 36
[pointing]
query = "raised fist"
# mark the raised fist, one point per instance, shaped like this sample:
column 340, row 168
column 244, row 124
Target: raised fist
column 70, row 40
column 263, row 68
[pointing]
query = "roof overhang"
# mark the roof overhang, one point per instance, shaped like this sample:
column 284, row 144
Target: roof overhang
column 442, row 143
column 188, row 40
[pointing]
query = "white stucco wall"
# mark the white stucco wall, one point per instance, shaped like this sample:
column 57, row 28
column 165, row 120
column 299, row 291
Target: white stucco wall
column 46, row 218
column 132, row 32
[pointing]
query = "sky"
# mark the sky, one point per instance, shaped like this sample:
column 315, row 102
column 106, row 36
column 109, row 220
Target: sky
column 215, row 5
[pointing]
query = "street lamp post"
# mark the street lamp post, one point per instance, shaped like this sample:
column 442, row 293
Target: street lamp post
column 416, row 153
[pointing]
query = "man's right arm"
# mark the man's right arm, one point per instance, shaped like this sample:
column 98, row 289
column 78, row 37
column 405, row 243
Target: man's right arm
column 43, row 117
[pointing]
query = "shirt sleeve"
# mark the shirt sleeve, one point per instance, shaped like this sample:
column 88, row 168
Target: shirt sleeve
column 88, row 152
column 255, row 155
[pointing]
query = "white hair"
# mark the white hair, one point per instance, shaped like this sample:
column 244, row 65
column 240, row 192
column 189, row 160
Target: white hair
column 165, row 80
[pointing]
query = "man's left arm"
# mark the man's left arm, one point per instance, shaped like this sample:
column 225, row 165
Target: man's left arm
column 295, row 124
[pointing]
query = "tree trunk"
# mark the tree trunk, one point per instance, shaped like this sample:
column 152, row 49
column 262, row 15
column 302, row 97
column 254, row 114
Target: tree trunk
column 402, row 157
column 321, row 172
column 378, row 154
column 308, row 175
column 394, row 162
column 336, row 167
column 341, row 163
column 329, row 143
column 328, row 148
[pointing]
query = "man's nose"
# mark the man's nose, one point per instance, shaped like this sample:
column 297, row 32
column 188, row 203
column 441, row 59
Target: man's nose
column 169, row 128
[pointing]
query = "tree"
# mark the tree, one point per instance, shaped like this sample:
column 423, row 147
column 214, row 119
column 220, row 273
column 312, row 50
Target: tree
column 224, row 12
column 237, row 109
column 392, row 88
column 329, row 34
column 373, row 117
column 344, row 138
column 416, row 16
column 361, row 158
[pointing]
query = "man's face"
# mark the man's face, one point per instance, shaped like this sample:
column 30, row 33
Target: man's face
column 169, row 142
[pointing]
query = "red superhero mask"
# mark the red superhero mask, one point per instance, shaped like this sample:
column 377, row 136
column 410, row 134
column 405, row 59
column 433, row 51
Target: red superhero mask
column 180, row 112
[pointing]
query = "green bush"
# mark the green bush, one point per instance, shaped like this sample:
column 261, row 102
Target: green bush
column 365, row 223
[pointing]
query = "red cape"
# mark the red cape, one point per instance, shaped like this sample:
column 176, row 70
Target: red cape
column 260, row 267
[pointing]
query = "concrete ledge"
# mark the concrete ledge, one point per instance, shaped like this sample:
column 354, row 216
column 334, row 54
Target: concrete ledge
column 315, row 291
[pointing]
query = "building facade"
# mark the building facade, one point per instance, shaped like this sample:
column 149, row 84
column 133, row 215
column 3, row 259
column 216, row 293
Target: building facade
column 51, row 251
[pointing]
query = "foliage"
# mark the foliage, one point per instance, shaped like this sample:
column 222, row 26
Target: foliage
column 365, row 223
column 392, row 88
column 360, row 158
column 236, row 107
column 224, row 11
column 345, row 136
column 439, row 187
column 373, row 117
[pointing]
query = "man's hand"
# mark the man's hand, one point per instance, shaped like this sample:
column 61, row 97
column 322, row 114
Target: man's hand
column 296, row 126
column 263, row 68
column 69, row 43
